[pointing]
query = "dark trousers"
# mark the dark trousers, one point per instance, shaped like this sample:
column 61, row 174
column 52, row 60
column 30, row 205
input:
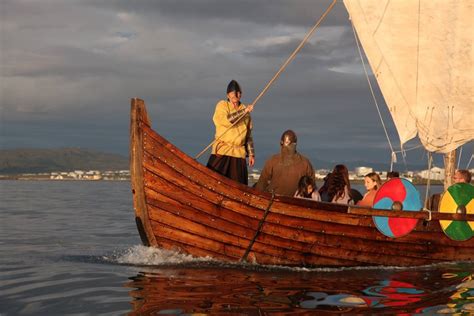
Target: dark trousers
column 231, row 167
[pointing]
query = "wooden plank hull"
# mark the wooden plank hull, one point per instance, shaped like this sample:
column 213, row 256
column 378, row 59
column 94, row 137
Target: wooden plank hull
column 182, row 205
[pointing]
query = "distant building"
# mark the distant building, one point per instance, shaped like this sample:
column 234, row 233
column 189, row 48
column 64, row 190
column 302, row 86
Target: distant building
column 92, row 175
column 78, row 174
column 320, row 174
column 56, row 176
column 362, row 171
column 435, row 173
column 352, row 175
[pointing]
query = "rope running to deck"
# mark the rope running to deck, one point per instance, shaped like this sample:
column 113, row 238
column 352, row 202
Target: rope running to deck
column 428, row 183
column 373, row 96
column 292, row 56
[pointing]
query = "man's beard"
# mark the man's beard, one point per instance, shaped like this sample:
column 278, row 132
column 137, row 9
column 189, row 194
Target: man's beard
column 288, row 154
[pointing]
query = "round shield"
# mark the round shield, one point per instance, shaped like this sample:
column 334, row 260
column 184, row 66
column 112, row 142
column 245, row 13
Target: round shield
column 458, row 198
column 396, row 194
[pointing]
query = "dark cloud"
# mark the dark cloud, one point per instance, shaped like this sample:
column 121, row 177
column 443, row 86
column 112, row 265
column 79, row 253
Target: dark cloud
column 69, row 69
column 269, row 12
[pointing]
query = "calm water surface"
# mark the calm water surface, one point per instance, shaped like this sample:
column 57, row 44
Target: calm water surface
column 71, row 248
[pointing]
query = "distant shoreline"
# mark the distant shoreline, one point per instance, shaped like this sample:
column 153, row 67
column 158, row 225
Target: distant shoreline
column 22, row 177
column 414, row 181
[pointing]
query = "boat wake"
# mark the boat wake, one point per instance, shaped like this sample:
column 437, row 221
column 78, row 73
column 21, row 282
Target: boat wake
column 140, row 255
column 148, row 256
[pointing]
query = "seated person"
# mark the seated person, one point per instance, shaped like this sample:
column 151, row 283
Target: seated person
column 393, row 174
column 307, row 189
column 323, row 191
column 283, row 171
column 372, row 183
column 433, row 202
column 338, row 191
column 462, row 176
column 353, row 193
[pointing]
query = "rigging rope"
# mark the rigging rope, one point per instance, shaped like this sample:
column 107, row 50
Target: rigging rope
column 394, row 156
column 403, row 152
column 428, row 183
column 469, row 163
column 290, row 58
column 459, row 159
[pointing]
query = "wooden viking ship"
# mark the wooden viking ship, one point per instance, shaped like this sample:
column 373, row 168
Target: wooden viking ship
column 181, row 205
column 420, row 55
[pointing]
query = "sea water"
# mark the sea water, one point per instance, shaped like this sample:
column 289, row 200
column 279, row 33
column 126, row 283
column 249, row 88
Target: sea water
column 72, row 248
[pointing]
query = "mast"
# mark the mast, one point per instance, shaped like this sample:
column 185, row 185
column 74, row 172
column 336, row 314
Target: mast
column 449, row 168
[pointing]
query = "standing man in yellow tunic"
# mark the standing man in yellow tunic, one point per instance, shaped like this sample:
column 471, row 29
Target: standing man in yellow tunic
column 229, row 152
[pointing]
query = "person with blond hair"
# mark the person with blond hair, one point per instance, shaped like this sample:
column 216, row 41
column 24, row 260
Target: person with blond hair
column 372, row 183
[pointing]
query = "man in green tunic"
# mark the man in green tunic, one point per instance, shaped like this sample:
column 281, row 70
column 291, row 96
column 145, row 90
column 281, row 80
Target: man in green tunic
column 283, row 171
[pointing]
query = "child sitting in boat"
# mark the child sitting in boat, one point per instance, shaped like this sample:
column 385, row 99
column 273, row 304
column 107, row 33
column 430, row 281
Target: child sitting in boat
column 337, row 189
column 307, row 189
column 372, row 183
column 354, row 194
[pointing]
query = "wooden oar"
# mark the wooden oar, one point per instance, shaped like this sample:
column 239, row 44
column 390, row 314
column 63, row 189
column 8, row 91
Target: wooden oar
column 260, row 224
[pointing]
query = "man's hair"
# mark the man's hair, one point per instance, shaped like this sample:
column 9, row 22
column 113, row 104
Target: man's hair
column 288, row 137
column 233, row 86
column 465, row 174
column 393, row 174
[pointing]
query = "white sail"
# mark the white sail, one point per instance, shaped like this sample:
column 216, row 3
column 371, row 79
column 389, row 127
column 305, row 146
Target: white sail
column 421, row 54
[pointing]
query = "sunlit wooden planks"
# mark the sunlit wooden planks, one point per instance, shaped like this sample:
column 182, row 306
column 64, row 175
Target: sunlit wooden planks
column 221, row 216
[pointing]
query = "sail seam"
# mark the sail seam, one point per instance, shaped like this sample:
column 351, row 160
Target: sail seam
column 381, row 18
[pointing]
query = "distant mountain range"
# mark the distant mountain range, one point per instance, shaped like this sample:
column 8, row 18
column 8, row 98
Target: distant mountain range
column 16, row 161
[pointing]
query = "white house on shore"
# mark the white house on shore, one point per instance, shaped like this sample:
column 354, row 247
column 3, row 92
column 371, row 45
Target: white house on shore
column 435, row 173
column 362, row 171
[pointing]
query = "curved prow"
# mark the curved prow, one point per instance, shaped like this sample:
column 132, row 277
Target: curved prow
column 139, row 118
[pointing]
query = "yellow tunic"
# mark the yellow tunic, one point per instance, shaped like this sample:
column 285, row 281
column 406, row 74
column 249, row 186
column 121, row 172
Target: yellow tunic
column 233, row 142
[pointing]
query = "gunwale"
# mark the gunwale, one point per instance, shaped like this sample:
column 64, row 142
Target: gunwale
column 180, row 204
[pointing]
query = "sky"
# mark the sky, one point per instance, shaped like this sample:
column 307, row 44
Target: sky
column 70, row 68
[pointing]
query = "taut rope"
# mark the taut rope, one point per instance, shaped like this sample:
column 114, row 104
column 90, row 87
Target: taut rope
column 292, row 56
column 428, row 183
column 393, row 154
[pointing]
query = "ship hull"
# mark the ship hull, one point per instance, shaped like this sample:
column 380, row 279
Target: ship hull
column 183, row 206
